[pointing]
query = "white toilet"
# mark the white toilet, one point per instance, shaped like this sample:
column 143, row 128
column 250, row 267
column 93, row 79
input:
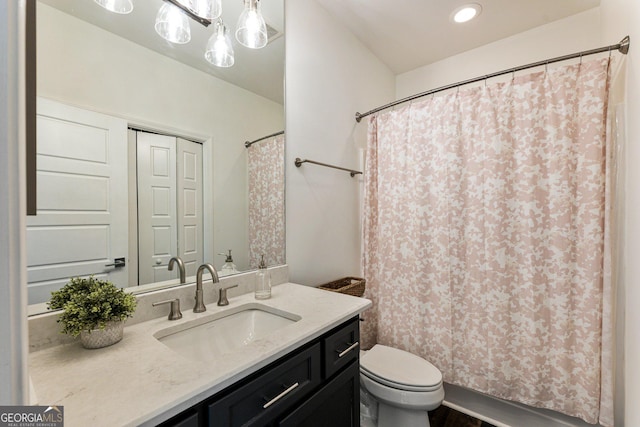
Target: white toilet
column 402, row 385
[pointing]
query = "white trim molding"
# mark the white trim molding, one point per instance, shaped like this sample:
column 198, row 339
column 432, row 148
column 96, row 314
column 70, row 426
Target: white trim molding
column 14, row 384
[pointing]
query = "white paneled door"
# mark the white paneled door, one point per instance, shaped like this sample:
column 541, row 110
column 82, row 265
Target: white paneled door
column 190, row 221
column 81, row 223
column 169, row 205
column 157, row 221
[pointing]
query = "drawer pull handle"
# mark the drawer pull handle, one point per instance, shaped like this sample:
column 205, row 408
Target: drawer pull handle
column 280, row 396
column 348, row 349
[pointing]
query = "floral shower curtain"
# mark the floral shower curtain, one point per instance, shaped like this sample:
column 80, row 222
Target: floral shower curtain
column 484, row 237
column 266, row 201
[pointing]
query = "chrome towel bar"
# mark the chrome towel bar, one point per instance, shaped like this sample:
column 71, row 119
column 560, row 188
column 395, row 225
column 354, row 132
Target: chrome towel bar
column 352, row 172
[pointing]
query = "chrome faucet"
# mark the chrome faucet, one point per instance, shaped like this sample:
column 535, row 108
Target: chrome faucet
column 177, row 259
column 199, row 307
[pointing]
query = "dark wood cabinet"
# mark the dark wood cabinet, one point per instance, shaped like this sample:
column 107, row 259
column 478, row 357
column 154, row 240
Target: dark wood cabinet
column 334, row 405
column 262, row 399
column 315, row 385
column 341, row 347
column 189, row 418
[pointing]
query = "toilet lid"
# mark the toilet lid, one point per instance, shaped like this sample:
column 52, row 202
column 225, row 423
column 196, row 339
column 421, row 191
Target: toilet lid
column 399, row 368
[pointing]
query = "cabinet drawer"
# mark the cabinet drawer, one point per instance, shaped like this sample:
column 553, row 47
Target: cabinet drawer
column 341, row 347
column 279, row 388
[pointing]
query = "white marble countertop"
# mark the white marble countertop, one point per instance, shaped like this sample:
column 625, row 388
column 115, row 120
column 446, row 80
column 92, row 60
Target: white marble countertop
column 140, row 381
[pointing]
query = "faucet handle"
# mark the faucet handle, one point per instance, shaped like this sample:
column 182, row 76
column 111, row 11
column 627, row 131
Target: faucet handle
column 175, row 313
column 222, row 295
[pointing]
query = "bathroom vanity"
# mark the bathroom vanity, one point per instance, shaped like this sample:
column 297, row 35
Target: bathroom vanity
column 304, row 373
column 315, row 385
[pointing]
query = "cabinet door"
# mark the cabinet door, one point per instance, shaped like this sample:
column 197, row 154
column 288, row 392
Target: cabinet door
column 267, row 396
column 336, row 405
column 341, row 347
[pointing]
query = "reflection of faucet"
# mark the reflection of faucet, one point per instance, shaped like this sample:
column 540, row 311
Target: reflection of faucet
column 177, row 259
column 199, row 307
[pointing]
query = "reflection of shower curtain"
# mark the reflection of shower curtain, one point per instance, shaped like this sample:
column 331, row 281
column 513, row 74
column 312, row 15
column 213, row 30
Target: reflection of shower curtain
column 484, row 237
column 266, row 201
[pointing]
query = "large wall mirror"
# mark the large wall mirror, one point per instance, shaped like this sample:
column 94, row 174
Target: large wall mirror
column 141, row 148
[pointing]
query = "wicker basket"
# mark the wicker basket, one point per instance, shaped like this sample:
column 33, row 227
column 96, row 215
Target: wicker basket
column 348, row 285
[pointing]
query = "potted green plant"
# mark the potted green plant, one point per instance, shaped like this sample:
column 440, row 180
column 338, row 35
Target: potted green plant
column 93, row 309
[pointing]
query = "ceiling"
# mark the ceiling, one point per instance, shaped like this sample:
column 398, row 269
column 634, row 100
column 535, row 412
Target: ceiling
column 260, row 71
column 404, row 34
column 407, row 34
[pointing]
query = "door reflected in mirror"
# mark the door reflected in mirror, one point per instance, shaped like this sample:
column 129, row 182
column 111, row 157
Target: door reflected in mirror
column 168, row 185
column 116, row 68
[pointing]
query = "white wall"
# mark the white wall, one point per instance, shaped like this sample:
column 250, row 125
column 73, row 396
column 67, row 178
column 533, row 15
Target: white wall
column 619, row 18
column 561, row 37
column 85, row 66
column 329, row 76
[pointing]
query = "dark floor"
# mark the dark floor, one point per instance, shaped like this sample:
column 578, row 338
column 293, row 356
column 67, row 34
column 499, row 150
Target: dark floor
column 447, row 417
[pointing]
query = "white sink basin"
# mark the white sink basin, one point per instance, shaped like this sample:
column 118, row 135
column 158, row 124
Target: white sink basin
column 222, row 333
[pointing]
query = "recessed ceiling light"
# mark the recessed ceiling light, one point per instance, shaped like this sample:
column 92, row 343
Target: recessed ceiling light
column 466, row 13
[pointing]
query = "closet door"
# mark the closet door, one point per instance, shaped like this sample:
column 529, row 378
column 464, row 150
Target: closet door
column 189, row 185
column 82, row 209
column 157, row 220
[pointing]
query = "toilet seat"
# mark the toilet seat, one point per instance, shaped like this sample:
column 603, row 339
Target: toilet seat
column 400, row 370
column 397, row 386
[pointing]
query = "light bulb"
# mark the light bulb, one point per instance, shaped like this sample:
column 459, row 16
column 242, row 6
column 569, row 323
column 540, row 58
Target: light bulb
column 118, row 6
column 172, row 24
column 207, row 9
column 219, row 51
column 251, row 30
column 466, row 13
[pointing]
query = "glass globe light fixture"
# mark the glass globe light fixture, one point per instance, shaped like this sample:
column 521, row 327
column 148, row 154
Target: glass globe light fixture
column 251, row 30
column 208, row 9
column 172, row 24
column 117, row 6
column 219, row 51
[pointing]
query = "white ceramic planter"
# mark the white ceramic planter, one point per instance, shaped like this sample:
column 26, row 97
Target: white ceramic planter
column 98, row 338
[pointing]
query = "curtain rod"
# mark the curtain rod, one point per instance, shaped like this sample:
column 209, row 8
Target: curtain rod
column 622, row 47
column 250, row 143
column 352, row 172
